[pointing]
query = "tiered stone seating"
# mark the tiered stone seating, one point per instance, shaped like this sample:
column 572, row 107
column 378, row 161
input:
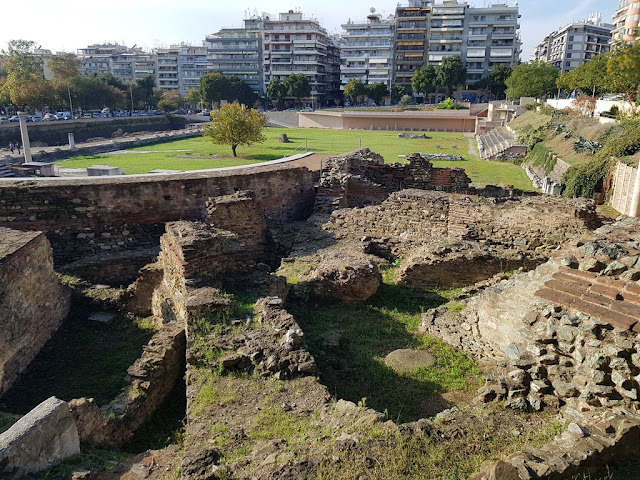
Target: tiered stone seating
column 495, row 142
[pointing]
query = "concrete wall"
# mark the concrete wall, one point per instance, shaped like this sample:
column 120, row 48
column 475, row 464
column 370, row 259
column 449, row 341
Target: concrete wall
column 601, row 105
column 623, row 188
column 90, row 216
column 56, row 133
column 436, row 121
column 33, row 303
column 283, row 119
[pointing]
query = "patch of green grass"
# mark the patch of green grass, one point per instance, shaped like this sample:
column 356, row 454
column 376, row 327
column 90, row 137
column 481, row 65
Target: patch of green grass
column 82, row 359
column 319, row 141
column 607, row 211
column 395, row 457
column 6, row 420
column 274, row 423
column 369, row 332
column 213, row 390
column 293, row 270
column 94, row 458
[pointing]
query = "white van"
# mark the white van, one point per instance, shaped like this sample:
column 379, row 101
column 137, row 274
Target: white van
column 106, row 112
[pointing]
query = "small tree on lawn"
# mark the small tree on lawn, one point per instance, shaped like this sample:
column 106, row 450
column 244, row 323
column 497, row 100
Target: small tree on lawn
column 234, row 125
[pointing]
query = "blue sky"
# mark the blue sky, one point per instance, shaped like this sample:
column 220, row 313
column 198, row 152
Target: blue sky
column 66, row 25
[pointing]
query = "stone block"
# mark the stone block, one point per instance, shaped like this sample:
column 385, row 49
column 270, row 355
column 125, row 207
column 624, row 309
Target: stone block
column 41, row 439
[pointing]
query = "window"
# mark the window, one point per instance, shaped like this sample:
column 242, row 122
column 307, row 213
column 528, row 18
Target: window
column 308, row 37
column 571, row 38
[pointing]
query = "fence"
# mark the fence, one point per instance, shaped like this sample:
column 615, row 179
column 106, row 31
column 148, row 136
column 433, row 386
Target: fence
column 624, row 183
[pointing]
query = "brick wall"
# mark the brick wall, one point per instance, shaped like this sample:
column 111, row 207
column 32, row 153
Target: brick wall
column 33, row 303
column 84, row 217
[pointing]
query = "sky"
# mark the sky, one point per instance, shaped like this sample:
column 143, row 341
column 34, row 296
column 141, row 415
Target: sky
column 66, row 25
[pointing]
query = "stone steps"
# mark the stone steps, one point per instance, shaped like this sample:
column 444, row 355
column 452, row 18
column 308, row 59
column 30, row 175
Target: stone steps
column 494, row 143
column 612, row 301
column 6, row 173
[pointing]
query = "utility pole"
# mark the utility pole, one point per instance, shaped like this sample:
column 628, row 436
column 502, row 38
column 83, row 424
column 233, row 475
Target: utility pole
column 70, row 103
column 131, row 90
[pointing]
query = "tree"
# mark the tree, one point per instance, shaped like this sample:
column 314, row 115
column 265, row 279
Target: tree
column 397, row 92
column 170, row 100
column 584, row 106
column 193, row 97
column 377, row 92
column 589, row 78
column 213, row 87
column 64, row 67
column 451, row 73
column 535, row 79
column 424, row 81
column 623, row 70
column 354, row 89
column 276, row 91
column 234, row 124
column 298, row 86
column 239, row 91
column 495, row 81
column 25, row 83
column 144, row 93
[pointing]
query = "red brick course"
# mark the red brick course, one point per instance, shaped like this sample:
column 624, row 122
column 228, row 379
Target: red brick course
column 610, row 300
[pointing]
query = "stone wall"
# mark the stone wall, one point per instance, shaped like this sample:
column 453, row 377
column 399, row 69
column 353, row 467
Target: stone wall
column 85, row 217
column 412, row 218
column 149, row 381
column 33, row 303
column 362, row 178
column 56, row 133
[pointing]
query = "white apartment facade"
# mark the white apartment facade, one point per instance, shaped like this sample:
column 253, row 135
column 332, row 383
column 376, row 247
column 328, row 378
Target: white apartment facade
column 293, row 44
column 238, row 51
column 367, row 50
column 575, row 44
column 625, row 22
column 180, row 67
column 124, row 63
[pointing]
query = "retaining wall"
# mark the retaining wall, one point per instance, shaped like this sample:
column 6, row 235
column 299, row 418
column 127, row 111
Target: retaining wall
column 91, row 216
column 33, row 303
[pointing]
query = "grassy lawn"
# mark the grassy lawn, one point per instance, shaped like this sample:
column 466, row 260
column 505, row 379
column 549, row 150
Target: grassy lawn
column 199, row 153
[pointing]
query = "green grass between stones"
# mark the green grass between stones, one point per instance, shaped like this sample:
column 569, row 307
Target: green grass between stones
column 202, row 154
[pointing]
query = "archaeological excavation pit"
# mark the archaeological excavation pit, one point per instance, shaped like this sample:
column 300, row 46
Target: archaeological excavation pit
column 397, row 323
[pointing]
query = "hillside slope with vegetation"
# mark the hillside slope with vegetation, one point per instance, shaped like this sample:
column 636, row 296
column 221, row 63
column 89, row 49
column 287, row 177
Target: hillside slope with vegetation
column 582, row 141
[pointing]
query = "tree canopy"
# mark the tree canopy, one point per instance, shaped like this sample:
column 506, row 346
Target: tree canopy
column 451, row 73
column 215, row 87
column 354, row 89
column 623, row 69
column 170, row 100
column 298, row 86
column 377, row 92
column 234, row 124
column 424, row 81
column 588, row 78
column 276, row 90
column 495, row 81
column 535, row 79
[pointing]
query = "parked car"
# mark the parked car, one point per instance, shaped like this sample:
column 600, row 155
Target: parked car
column 87, row 115
column 3, row 119
column 14, row 119
column 66, row 117
column 306, row 109
column 36, row 118
column 50, row 117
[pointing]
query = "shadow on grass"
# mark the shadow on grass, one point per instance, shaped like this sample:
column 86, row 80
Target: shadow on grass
column 355, row 369
column 82, row 359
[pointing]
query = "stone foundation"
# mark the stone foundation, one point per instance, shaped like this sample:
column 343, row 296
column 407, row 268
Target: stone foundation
column 33, row 302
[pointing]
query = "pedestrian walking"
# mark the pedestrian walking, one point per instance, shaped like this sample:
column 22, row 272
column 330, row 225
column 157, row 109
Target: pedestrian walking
column 18, row 147
column 11, row 147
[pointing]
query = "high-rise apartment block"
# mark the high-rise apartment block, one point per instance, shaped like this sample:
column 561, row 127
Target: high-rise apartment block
column 180, row 67
column 238, row 51
column 428, row 32
column 575, row 44
column 126, row 64
column 367, row 50
column 626, row 21
column 294, row 44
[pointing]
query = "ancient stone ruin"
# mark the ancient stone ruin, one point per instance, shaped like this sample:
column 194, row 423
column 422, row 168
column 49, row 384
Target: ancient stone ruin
column 544, row 296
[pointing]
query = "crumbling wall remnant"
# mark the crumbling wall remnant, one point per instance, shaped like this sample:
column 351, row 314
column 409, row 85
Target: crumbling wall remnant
column 33, row 302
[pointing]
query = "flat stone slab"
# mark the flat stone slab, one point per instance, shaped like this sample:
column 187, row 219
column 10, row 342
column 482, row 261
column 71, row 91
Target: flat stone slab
column 102, row 317
column 406, row 361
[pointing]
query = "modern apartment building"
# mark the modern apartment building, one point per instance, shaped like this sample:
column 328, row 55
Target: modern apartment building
column 367, row 50
column 428, row 32
column 297, row 45
column 127, row 64
column 238, row 51
column 490, row 39
column 625, row 21
column 575, row 44
column 180, row 67
column 411, row 45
